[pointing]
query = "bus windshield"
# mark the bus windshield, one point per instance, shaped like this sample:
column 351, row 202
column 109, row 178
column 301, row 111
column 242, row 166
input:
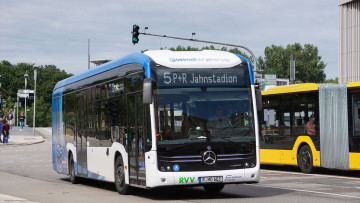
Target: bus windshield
column 203, row 112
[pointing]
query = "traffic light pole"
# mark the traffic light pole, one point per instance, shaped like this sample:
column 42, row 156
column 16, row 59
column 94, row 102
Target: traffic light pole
column 210, row 42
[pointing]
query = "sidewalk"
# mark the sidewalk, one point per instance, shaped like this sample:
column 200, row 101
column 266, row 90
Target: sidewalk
column 25, row 137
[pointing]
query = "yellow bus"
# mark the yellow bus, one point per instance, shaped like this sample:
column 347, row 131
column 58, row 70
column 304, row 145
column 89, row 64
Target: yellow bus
column 311, row 125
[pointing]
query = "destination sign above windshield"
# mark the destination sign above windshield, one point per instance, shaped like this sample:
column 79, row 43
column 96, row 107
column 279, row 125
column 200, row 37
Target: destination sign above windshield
column 208, row 77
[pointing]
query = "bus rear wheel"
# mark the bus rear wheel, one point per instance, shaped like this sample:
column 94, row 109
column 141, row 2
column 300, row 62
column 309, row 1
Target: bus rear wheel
column 213, row 187
column 121, row 186
column 73, row 178
column 305, row 159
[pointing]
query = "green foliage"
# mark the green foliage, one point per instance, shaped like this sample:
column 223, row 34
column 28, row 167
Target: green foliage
column 9, row 104
column 308, row 64
column 336, row 80
column 43, row 113
column 12, row 79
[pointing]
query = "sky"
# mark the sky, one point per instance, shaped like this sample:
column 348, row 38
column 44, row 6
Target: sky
column 57, row 32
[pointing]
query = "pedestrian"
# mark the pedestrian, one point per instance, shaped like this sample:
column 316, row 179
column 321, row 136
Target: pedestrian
column 5, row 132
column 311, row 125
column 1, row 123
column 9, row 118
column 22, row 120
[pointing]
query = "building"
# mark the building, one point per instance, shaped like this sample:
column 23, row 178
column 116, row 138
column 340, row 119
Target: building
column 349, row 41
column 264, row 85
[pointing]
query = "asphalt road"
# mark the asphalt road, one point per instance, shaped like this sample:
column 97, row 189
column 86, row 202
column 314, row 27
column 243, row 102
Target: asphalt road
column 26, row 172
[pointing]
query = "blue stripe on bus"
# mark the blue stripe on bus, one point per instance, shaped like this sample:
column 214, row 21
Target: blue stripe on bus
column 249, row 67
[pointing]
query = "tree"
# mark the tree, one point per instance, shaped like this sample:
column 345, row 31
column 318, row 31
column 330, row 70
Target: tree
column 308, row 64
column 12, row 80
column 43, row 113
column 336, row 80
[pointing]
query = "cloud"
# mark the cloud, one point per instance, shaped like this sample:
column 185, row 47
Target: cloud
column 56, row 32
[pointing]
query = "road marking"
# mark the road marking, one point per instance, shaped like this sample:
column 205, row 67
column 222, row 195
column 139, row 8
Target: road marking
column 307, row 191
column 7, row 162
column 8, row 198
column 319, row 175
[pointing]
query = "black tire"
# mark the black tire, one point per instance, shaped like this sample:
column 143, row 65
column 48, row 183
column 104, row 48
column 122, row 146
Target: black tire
column 121, row 186
column 305, row 159
column 73, row 178
column 213, row 187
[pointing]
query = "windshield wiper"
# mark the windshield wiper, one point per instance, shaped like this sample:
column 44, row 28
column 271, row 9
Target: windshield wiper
column 242, row 145
column 171, row 148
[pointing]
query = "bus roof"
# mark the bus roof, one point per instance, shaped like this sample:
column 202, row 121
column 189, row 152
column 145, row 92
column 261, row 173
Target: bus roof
column 194, row 59
column 353, row 84
column 304, row 87
column 131, row 58
column 213, row 59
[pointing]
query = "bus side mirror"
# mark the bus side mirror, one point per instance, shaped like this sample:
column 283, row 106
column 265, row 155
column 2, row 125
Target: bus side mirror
column 258, row 100
column 147, row 91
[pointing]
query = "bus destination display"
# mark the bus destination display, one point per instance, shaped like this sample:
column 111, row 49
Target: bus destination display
column 233, row 77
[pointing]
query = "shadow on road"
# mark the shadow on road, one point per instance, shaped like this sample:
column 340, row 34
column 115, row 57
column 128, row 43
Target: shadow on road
column 238, row 191
column 319, row 171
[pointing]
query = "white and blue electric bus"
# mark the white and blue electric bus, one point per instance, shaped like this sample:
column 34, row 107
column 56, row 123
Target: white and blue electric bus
column 161, row 118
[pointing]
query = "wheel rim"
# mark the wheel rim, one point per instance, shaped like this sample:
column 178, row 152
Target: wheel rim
column 305, row 159
column 120, row 175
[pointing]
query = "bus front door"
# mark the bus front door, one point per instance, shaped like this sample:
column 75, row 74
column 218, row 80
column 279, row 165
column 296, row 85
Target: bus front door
column 135, row 115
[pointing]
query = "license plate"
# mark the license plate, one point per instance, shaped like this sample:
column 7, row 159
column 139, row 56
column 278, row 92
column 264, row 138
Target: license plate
column 212, row 179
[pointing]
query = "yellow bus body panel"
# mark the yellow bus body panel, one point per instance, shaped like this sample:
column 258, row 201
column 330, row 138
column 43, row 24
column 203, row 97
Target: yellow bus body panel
column 289, row 157
column 270, row 156
column 354, row 161
column 353, row 84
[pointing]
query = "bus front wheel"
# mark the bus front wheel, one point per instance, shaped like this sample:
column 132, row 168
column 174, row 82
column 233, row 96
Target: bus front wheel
column 213, row 187
column 73, row 178
column 305, row 159
column 121, row 186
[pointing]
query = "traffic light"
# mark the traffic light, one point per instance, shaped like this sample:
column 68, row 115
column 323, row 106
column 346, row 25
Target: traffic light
column 135, row 34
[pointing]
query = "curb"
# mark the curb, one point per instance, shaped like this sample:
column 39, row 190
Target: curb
column 28, row 143
column 14, row 143
column 38, row 132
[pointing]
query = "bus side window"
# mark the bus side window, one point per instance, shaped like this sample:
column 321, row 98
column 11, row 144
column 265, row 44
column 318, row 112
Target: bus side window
column 358, row 106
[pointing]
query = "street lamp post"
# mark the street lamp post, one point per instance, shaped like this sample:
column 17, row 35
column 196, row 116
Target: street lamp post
column 17, row 107
column 26, row 77
column 35, row 75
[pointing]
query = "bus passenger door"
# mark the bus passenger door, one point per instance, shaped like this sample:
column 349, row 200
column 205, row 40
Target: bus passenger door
column 136, row 150
column 81, row 147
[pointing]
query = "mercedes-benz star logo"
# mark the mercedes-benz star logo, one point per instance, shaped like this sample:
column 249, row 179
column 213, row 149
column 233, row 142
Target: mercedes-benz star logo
column 209, row 157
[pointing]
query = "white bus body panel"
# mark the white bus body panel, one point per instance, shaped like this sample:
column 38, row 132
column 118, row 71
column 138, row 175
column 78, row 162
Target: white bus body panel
column 257, row 133
column 100, row 166
column 156, row 178
column 70, row 147
column 194, row 59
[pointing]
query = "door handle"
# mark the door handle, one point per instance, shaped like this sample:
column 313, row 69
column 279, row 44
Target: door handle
column 107, row 151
